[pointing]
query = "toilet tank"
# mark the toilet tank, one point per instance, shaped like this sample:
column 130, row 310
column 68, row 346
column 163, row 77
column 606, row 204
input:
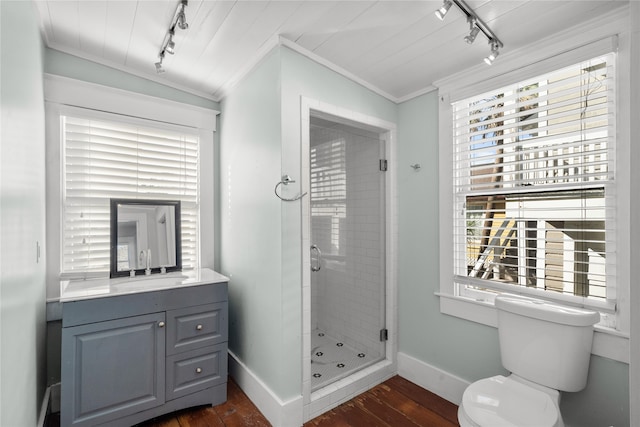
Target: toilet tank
column 545, row 343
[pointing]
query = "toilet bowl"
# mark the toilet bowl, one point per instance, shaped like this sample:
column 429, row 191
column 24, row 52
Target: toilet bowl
column 507, row 402
column 547, row 348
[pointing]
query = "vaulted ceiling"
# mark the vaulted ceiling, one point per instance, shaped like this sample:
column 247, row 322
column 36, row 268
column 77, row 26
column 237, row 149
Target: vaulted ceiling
column 398, row 48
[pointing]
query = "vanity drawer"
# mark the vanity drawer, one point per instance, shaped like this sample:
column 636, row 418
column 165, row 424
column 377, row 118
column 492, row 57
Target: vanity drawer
column 196, row 370
column 196, row 327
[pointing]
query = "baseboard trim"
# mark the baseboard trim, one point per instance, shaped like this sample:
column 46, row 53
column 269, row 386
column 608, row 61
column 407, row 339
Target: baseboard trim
column 290, row 413
column 279, row 413
column 442, row 383
column 44, row 408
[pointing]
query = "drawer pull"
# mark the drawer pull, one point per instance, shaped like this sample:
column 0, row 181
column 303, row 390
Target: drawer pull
column 198, row 370
column 161, row 324
column 199, row 328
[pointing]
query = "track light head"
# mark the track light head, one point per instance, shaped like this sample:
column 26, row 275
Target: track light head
column 442, row 10
column 494, row 53
column 473, row 30
column 182, row 21
column 171, row 46
column 471, row 37
column 182, row 18
column 158, row 64
column 159, row 68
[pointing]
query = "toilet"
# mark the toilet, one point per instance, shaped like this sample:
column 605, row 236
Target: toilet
column 547, row 348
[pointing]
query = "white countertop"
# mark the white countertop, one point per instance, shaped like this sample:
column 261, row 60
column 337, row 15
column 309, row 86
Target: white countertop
column 74, row 290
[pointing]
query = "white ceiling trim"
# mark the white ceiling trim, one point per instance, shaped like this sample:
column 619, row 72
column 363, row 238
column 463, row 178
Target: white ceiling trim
column 264, row 50
column 416, row 94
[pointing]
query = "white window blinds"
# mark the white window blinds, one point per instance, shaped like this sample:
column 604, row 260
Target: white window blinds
column 329, row 192
column 533, row 168
column 135, row 159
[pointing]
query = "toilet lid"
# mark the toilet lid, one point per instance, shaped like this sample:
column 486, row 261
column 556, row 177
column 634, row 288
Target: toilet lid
column 503, row 402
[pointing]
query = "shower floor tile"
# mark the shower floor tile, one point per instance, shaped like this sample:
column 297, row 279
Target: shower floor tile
column 332, row 360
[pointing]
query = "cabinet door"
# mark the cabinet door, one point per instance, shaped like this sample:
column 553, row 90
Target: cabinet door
column 112, row 369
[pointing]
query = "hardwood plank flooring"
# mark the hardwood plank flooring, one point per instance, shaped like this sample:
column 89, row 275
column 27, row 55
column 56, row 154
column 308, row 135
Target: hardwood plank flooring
column 395, row 403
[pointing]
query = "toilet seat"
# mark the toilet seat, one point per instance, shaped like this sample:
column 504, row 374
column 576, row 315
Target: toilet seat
column 503, row 402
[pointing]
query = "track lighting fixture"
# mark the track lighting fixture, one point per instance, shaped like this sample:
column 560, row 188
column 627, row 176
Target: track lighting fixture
column 182, row 18
column 476, row 26
column 474, row 30
column 168, row 44
column 158, row 64
column 442, row 10
column 494, row 53
column 171, row 45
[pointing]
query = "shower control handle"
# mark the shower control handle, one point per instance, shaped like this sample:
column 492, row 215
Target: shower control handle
column 318, row 264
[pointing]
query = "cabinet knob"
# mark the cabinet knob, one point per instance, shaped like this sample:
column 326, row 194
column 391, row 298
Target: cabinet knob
column 198, row 370
column 161, row 324
column 199, row 328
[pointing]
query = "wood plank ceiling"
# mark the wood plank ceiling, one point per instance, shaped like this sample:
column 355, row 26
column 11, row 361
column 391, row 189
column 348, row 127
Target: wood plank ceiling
column 397, row 47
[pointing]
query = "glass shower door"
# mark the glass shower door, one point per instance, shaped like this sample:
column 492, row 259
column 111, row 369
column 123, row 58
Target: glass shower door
column 348, row 250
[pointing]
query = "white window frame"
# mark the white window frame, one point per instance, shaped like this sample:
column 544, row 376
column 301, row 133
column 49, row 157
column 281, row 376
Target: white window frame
column 63, row 95
column 611, row 342
column 475, row 287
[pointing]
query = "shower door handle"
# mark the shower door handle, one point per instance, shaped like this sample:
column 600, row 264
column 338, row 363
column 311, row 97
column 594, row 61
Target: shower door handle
column 318, row 264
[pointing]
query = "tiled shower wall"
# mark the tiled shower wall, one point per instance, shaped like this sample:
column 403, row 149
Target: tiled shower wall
column 347, row 293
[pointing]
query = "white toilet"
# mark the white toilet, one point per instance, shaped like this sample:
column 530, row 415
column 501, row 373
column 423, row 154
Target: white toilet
column 547, row 348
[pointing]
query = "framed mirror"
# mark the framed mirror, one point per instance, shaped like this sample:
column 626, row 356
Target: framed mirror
column 145, row 234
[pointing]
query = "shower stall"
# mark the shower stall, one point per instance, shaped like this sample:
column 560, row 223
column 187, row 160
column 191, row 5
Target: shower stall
column 347, row 230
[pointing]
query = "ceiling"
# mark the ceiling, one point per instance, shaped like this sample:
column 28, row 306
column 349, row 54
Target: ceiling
column 398, row 48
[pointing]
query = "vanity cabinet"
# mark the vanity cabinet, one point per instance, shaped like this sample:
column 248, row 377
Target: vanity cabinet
column 129, row 358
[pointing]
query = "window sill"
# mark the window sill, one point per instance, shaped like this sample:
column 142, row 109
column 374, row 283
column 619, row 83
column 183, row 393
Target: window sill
column 607, row 342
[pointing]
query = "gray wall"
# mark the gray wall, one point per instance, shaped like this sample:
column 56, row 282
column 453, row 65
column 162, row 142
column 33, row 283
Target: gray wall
column 462, row 348
column 250, row 222
column 22, row 221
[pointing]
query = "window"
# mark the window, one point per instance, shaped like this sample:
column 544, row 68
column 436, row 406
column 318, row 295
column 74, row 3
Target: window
column 107, row 156
column 329, row 195
column 532, row 180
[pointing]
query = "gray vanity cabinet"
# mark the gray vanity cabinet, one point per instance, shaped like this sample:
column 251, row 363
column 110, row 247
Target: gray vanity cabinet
column 129, row 358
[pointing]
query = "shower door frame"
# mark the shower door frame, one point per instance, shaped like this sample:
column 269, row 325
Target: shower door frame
column 332, row 395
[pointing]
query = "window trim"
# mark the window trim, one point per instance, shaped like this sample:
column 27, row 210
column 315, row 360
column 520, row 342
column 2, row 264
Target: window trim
column 608, row 342
column 64, row 93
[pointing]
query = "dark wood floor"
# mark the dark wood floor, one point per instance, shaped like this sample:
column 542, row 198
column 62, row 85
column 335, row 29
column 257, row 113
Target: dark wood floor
column 396, row 403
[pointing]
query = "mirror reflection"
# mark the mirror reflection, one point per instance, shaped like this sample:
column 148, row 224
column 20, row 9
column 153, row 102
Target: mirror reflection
column 145, row 236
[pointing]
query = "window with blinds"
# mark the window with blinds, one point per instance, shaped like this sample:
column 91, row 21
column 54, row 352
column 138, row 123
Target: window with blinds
column 532, row 173
column 329, row 194
column 133, row 159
